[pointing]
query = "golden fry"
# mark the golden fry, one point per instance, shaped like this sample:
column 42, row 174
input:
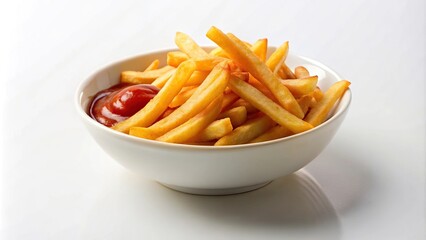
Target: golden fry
column 238, row 115
column 147, row 77
column 175, row 58
column 228, row 99
column 218, row 52
column 187, row 45
column 300, row 87
column 249, row 107
column 275, row 132
column 240, row 53
column 214, row 130
column 213, row 86
column 181, row 98
column 306, row 101
column 207, row 63
column 246, row 132
column 267, row 106
column 301, row 72
column 196, row 124
column 318, row 94
column 197, row 78
column 154, row 65
column 142, row 132
column 147, row 115
column 162, row 80
column 260, row 48
column 277, row 58
column 319, row 112
column 285, row 72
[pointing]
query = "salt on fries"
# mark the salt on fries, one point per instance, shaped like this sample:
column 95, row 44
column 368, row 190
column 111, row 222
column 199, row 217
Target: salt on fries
column 231, row 95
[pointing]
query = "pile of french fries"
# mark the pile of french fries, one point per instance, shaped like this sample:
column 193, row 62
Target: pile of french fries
column 230, row 95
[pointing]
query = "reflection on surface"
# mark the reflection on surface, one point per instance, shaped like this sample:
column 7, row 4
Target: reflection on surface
column 293, row 206
column 345, row 179
column 293, row 200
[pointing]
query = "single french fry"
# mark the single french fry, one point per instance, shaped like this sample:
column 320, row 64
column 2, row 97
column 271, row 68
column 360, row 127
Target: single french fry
column 300, row 87
column 240, row 53
column 319, row 112
column 197, row 78
column 142, row 132
column 238, row 115
column 154, row 65
column 207, row 63
column 212, row 87
column 187, row 45
column 147, row 115
column 285, row 72
column 176, row 57
column 228, row 99
column 318, row 94
column 218, row 52
column 267, row 106
column 214, row 130
column 246, row 132
column 245, row 76
column 277, row 58
column 301, row 72
column 146, row 77
column 275, row 132
column 196, row 124
column 305, row 102
column 260, row 48
column 249, row 107
column 166, row 113
column 255, row 83
column 161, row 81
column 181, row 98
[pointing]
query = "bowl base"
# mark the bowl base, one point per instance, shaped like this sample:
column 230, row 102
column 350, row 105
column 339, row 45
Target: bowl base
column 216, row 192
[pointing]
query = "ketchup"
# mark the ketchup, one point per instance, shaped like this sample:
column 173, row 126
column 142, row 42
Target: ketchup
column 120, row 101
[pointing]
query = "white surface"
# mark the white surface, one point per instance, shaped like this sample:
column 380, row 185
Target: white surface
column 56, row 183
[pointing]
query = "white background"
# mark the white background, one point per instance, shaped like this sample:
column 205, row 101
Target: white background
column 56, row 183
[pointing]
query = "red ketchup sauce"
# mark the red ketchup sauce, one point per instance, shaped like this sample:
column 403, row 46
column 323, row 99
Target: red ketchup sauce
column 119, row 102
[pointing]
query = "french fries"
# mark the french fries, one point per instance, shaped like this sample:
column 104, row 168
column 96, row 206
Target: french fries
column 240, row 53
column 301, row 72
column 319, row 112
column 260, row 48
column 277, row 58
column 231, row 95
column 248, row 131
column 194, row 125
column 267, row 106
column 187, row 45
column 213, row 86
column 237, row 115
column 285, row 72
column 300, row 87
column 154, row 65
column 161, row 81
column 215, row 130
column 175, row 58
column 273, row 133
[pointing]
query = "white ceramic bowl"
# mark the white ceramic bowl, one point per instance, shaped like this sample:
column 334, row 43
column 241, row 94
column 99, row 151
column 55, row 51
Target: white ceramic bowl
column 205, row 169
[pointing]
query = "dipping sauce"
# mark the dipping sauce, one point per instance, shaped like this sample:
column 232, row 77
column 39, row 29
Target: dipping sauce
column 120, row 102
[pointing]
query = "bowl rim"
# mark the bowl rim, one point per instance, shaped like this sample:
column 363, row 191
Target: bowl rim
column 82, row 112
